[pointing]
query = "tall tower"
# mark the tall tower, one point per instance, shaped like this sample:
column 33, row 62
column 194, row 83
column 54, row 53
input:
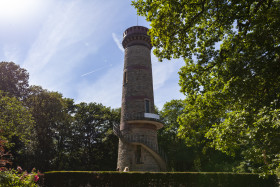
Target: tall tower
column 138, row 146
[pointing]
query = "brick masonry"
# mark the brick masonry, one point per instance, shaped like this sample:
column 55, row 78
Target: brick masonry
column 137, row 87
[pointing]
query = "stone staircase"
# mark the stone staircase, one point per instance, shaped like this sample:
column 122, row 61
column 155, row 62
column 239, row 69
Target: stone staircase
column 158, row 154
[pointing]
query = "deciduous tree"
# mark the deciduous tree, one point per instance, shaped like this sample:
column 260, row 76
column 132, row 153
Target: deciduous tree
column 15, row 120
column 93, row 143
column 13, row 79
column 232, row 72
column 50, row 113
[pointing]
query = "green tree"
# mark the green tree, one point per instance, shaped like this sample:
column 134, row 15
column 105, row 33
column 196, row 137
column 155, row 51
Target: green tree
column 50, row 112
column 231, row 76
column 13, row 79
column 48, row 131
column 180, row 157
column 15, row 120
column 16, row 126
column 184, row 158
column 94, row 146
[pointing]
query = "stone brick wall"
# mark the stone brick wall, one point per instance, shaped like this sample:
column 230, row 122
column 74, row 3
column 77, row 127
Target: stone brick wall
column 127, row 158
column 137, row 88
column 127, row 151
column 138, row 85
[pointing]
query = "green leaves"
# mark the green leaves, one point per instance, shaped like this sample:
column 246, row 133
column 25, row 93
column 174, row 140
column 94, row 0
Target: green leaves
column 46, row 130
column 231, row 76
column 92, row 137
column 15, row 120
column 13, row 79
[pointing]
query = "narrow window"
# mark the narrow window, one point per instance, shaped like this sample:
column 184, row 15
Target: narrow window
column 124, row 78
column 138, row 154
column 147, row 106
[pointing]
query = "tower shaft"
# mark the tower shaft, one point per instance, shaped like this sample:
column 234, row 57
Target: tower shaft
column 138, row 146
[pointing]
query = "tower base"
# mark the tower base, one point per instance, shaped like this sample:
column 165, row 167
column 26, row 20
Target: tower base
column 136, row 157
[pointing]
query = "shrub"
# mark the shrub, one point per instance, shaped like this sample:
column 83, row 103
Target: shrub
column 15, row 178
column 189, row 179
column 18, row 178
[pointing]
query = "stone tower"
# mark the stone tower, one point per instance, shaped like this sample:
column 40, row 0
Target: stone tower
column 138, row 146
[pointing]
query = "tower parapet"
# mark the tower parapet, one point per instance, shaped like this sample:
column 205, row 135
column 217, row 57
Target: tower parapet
column 136, row 35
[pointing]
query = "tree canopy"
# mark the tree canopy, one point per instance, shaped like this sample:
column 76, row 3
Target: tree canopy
column 43, row 129
column 192, row 158
column 15, row 120
column 232, row 72
column 13, row 79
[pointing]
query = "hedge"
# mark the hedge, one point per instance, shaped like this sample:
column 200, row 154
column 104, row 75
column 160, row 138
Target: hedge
column 142, row 179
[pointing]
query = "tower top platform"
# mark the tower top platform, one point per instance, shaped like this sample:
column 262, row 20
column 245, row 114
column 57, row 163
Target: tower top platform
column 136, row 35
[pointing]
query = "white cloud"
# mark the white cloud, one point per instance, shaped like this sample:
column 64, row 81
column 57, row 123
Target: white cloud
column 11, row 53
column 59, row 31
column 68, row 39
column 70, row 33
column 98, row 69
column 165, row 80
column 167, row 93
column 118, row 42
column 106, row 90
column 164, row 71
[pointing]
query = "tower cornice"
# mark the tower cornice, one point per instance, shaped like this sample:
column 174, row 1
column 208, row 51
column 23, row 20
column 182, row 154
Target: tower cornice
column 136, row 35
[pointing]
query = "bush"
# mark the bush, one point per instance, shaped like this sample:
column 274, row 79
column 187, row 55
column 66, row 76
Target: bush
column 18, row 178
column 189, row 179
column 11, row 177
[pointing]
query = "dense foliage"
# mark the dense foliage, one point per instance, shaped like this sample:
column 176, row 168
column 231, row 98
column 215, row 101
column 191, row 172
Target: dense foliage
column 18, row 178
column 42, row 129
column 13, row 79
column 11, row 177
column 180, row 156
column 201, row 179
column 232, row 73
column 15, row 120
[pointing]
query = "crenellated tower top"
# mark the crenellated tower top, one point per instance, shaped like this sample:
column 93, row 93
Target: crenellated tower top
column 136, row 35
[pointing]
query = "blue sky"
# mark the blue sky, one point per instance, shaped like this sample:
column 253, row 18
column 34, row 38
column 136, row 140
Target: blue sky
column 74, row 47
